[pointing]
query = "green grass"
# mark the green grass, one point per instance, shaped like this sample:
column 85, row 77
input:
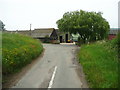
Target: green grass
column 100, row 64
column 18, row 51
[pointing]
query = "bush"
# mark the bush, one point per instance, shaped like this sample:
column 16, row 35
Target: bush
column 17, row 51
column 100, row 64
column 115, row 44
column 118, row 44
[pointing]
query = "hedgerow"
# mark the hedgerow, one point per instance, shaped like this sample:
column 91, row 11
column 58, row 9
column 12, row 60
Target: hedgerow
column 17, row 51
column 100, row 63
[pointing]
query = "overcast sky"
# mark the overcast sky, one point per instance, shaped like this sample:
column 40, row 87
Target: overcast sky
column 18, row 14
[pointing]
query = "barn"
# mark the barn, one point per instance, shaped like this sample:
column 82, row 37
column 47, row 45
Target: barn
column 45, row 34
column 112, row 33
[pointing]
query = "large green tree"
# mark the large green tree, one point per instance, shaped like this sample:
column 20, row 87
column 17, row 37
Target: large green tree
column 91, row 26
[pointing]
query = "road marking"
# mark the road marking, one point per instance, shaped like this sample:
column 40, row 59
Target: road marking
column 52, row 79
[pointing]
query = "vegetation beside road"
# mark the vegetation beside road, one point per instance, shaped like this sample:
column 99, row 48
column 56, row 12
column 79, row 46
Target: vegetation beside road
column 17, row 51
column 100, row 63
column 91, row 26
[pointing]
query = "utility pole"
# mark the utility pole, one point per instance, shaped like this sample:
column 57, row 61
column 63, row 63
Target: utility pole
column 30, row 30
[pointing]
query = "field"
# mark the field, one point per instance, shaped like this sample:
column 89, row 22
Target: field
column 18, row 51
column 100, row 63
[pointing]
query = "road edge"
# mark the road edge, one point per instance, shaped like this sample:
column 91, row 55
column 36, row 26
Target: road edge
column 14, row 78
column 80, row 71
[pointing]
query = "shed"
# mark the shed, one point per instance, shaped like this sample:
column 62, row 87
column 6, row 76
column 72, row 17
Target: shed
column 112, row 33
column 43, row 33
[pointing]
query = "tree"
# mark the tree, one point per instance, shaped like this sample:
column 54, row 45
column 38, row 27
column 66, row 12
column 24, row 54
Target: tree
column 91, row 26
column 2, row 25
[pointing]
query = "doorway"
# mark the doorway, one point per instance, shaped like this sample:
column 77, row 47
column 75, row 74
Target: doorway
column 66, row 38
column 61, row 38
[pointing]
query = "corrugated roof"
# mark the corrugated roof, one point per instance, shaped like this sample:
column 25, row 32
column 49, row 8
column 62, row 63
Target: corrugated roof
column 44, row 29
column 42, row 32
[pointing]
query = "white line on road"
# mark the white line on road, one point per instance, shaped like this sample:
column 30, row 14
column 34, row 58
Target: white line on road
column 52, row 79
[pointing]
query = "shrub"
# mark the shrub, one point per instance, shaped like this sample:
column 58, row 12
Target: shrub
column 100, row 64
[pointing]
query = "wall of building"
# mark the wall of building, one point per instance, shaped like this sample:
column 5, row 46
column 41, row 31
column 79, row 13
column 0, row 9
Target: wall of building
column 64, row 36
column 111, row 36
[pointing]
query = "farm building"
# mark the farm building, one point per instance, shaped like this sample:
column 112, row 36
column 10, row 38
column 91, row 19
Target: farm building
column 112, row 33
column 45, row 34
column 64, row 37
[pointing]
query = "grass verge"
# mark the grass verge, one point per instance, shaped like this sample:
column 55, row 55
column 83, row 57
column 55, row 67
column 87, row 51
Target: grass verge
column 100, row 64
column 18, row 51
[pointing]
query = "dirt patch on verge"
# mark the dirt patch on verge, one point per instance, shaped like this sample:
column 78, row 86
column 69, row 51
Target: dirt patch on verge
column 14, row 78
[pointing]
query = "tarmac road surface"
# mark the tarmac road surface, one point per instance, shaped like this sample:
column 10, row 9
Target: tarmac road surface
column 56, row 69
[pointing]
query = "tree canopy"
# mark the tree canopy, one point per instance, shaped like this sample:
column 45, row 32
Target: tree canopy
column 2, row 25
column 91, row 26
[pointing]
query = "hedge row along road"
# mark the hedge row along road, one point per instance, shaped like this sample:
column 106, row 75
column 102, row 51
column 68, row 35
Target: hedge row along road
column 17, row 51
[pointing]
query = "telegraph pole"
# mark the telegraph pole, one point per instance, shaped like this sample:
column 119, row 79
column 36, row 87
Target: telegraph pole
column 30, row 29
